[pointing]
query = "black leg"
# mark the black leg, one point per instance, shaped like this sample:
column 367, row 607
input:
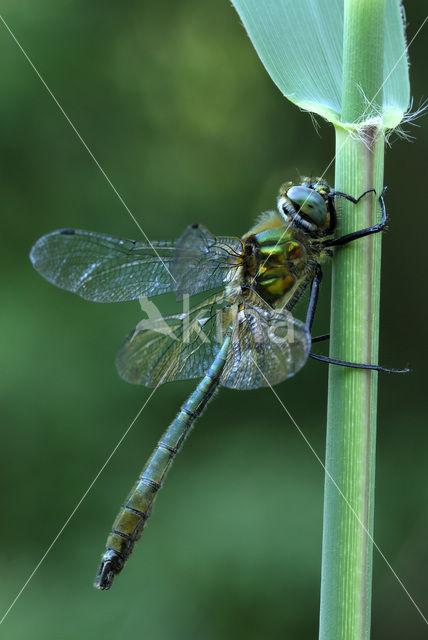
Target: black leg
column 334, row 194
column 325, row 336
column 313, row 300
column 349, row 237
column 356, row 365
column 318, row 276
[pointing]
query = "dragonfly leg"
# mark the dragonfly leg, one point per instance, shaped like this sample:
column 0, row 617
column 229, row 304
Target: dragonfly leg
column 325, row 336
column 334, row 194
column 356, row 365
column 313, row 299
column 362, row 233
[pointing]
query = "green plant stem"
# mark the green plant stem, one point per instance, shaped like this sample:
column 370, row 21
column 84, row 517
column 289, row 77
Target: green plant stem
column 351, row 421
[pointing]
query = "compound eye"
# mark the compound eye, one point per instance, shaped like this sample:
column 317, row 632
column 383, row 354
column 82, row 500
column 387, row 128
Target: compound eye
column 310, row 203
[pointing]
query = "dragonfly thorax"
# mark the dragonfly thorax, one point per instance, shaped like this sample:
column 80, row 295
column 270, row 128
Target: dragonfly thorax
column 283, row 247
column 276, row 258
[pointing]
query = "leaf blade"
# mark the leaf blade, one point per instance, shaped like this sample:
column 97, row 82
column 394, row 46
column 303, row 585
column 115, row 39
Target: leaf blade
column 301, row 46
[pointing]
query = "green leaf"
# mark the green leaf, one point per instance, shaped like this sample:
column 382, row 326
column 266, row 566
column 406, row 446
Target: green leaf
column 396, row 89
column 301, row 46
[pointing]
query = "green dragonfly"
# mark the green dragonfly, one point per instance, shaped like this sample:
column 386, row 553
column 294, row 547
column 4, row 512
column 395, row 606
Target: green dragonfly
column 241, row 336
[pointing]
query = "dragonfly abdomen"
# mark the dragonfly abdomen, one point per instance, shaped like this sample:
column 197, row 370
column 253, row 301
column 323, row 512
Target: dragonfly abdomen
column 132, row 517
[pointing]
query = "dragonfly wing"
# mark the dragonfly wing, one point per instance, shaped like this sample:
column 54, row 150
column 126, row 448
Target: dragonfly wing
column 102, row 268
column 178, row 347
column 268, row 346
column 203, row 262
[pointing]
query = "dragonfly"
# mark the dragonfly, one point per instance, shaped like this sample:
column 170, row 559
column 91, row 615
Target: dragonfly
column 242, row 335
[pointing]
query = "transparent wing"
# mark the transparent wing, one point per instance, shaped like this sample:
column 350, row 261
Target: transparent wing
column 203, row 262
column 177, row 347
column 103, row 268
column 268, row 346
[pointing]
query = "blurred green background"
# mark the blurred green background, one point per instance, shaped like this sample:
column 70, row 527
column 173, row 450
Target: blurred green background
column 175, row 105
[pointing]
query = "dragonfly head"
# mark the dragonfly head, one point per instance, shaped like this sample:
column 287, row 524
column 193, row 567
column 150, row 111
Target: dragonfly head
column 307, row 206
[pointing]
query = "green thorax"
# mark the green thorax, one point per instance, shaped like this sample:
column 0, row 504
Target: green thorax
column 277, row 258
